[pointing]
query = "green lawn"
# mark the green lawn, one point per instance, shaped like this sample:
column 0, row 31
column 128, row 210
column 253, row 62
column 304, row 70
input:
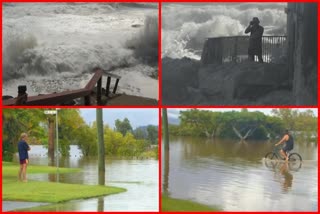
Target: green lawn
column 178, row 205
column 38, row 191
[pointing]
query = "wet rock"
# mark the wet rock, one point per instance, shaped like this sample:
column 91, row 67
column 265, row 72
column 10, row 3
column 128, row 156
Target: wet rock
column 177, row 75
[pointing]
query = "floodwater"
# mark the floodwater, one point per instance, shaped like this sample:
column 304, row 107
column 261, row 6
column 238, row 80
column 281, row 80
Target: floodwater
column 235, row 176
column 139, row 177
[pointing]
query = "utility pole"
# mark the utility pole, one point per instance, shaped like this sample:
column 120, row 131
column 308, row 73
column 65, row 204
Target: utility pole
column 51, row 139
column 166, row 150
column 101, row 152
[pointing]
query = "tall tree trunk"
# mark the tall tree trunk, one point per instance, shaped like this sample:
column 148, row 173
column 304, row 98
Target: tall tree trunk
column 51, row 140
column 166, row 150
column 101, row 152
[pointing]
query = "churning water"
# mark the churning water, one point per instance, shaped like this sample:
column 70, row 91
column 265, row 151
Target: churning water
column 53, row 47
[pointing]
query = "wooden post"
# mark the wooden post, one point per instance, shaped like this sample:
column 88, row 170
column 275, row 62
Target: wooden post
column 108, row 86
column 99, row 88
column 115, row 87
column 87, row 100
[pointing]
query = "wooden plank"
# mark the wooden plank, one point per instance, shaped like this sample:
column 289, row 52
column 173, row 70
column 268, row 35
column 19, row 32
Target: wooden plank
column 91, row 84
column 51, row 99
column 131, row 100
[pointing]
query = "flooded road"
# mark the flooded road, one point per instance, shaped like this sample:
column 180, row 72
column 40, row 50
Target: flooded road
column 139, row 177
column 235, row 176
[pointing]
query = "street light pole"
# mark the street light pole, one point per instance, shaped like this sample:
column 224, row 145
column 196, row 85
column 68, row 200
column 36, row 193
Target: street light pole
column 51, row 112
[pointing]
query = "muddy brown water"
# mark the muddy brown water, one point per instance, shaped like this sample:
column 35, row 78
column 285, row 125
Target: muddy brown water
column 234, row 175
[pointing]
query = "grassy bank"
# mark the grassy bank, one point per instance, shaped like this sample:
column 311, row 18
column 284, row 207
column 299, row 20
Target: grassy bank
column 172, row 204
column 38, row 191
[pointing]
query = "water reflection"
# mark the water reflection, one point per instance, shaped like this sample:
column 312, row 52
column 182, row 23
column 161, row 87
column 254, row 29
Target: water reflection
column 166, row 170
column 235, row 176
column 100, row 204
column 288, row 177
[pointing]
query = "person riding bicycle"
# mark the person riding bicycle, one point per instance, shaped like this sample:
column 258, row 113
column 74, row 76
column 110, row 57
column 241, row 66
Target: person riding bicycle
column 288, row 139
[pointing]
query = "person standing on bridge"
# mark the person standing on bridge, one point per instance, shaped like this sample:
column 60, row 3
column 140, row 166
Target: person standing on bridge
column 23, row 149
column 255, row 40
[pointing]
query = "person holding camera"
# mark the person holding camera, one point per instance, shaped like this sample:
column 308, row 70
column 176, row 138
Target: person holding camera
column 255, row 40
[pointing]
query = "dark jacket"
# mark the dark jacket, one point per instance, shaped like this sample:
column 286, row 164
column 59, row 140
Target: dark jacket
column 255, row 40
column 23, row 148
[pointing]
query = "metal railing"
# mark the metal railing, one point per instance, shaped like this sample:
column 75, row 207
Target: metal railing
column 66, row 96
column 235, row 49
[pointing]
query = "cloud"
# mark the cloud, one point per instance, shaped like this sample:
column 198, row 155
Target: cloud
column 173, row 113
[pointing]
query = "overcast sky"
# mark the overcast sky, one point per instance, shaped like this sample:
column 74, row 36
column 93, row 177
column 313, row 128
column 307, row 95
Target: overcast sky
column 174, row 113
column 137, row 117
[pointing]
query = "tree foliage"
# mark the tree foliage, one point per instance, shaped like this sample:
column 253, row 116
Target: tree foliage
column 73, row 130
column 123, row 126
column 16, row 121
column 243, row 124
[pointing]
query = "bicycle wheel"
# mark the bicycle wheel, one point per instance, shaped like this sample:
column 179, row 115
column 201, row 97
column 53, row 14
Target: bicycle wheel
column 295, row 157
column 271, row 156
column 295, row 165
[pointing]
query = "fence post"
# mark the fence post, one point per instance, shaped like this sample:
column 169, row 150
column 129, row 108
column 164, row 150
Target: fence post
column 87, row 100
column 108, row 86
column 99, row 88
column 115, row 87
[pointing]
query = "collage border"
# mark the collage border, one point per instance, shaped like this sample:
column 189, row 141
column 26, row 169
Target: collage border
column 160, row 106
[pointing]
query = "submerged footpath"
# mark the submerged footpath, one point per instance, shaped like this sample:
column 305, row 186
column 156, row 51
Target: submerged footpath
column 180, row 205
column 41, row 193
column 189, row 82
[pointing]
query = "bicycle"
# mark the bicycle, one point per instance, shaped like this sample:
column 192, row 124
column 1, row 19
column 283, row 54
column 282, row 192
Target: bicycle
column 274, row 155
column 294, row 163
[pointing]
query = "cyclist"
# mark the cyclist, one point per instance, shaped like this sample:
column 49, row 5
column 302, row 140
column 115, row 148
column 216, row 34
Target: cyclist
column 288, row 139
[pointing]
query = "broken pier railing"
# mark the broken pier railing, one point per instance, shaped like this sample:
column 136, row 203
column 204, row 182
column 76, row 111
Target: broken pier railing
column 66, row 96
column 235, row 49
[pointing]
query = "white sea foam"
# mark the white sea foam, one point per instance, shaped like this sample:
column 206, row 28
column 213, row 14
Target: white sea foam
column 53, row 47
column 186, row 26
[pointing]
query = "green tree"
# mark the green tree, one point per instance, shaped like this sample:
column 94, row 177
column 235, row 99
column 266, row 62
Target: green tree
column 16, row 121
column 139, row 133
column 152, row 134
column 88, row 140
column 288, row 116
column 200, row 123
column 232, row 124
column 71, row 125
column 123, row 126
